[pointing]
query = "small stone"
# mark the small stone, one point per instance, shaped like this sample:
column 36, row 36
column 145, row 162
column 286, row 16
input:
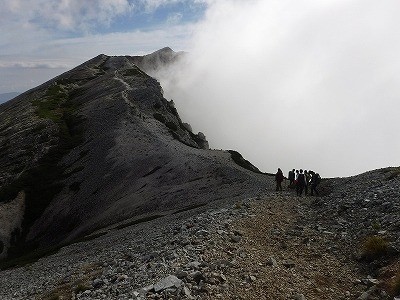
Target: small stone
column 238, row 232
column 193, row 265
column 181, row 274
column 235, row 238
column 299, row 297
column 271, row 262
column 202, row 232
column 97, row 283
column 372, row 281
column 288, row 263
column 197, row 276
column 122, row 278
column 146, row 289
column 187, row 293
column 367, row 294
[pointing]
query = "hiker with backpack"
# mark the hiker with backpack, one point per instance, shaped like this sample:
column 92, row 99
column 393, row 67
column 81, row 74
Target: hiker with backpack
column 301, row 182
column 315, row 181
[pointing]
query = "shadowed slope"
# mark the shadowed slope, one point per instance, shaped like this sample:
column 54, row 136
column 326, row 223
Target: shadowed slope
column 104, row 146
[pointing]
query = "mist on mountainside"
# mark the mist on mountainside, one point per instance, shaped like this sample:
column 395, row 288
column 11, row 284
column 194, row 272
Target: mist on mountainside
column 308, row 85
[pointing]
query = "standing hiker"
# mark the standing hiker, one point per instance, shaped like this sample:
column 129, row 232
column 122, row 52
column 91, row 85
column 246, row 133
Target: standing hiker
column 291, row 178
column 315, row 180
column 301, row 181
column 279, row 178
column 307, row 177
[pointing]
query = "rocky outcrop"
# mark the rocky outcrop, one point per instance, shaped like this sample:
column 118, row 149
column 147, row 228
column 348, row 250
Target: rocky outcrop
column 158, row 60
column 99, row 145
column 11, row 216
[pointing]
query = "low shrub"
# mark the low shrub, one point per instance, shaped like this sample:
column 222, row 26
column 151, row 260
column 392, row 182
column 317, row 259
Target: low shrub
column 374, row 247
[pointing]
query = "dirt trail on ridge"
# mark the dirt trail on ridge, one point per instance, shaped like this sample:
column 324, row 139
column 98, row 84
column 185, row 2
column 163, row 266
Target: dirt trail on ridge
column 282, row 256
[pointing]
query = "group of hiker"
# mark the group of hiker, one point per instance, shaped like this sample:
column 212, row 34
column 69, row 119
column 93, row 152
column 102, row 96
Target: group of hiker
column 300, row 180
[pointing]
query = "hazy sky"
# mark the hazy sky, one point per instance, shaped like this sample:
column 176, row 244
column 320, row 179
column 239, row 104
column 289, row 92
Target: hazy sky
column 288, row 83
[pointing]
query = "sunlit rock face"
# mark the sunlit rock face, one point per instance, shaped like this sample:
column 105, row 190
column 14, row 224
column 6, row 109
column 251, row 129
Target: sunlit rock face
column 100, row 145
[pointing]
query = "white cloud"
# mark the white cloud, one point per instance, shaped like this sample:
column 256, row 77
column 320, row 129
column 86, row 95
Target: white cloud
column 32, row 61
column 151, row 5
column 174, row 18
column 63, row 14
column 33, row 65
column 296, row 84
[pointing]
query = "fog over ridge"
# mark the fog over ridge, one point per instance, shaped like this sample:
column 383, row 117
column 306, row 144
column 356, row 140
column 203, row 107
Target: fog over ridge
column 295, row 84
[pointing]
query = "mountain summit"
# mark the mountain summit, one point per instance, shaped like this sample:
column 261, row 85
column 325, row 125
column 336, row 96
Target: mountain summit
column 100, row 146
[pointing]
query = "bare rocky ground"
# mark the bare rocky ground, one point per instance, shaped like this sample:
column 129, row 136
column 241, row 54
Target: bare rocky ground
column 270, row 246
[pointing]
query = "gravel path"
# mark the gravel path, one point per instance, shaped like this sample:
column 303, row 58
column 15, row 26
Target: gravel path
column 270, row 246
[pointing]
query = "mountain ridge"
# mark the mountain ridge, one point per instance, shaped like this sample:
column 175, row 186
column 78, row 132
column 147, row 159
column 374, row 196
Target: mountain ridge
column 100, row 144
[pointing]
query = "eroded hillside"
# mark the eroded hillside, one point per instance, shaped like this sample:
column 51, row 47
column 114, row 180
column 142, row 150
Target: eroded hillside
column 99, row 145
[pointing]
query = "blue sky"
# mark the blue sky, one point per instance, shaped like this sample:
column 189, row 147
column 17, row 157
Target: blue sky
column 290, row 83
column 43, row 38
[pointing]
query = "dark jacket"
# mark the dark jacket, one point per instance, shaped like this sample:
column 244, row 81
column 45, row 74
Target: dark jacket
column 279, row 176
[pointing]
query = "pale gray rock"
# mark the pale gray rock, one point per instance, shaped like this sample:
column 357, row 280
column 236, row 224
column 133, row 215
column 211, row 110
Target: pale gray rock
column 271, row 262
column 167, row 282
column 299, row 297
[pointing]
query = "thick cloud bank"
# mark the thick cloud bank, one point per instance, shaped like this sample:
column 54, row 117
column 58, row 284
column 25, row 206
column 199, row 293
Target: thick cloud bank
column 296, row 84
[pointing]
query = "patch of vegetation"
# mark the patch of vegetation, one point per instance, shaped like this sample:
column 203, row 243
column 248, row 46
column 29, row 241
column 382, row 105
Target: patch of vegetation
column 50, row 106
column 43, row 182
column 81, row 287
column 374, row 247
column 58, row 107
column 238, row 159
column 78, row 282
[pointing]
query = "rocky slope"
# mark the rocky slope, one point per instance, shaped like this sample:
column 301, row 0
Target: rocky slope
column 99, row 145
column 272, row 245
